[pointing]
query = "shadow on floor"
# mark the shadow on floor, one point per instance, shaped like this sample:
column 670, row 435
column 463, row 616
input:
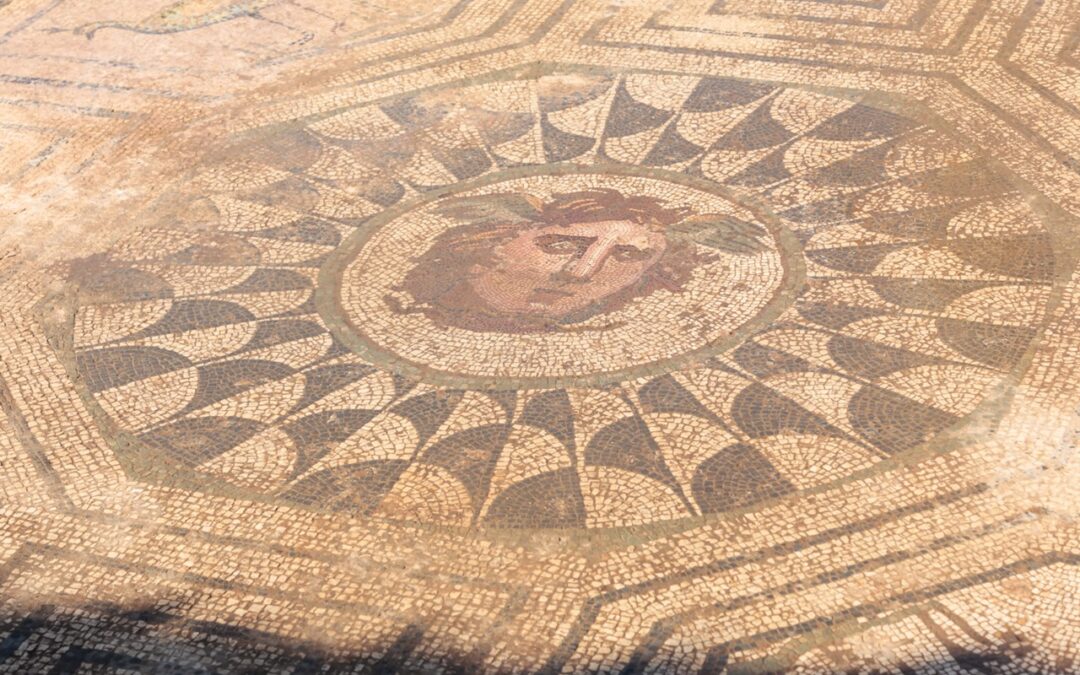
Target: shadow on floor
column 103, row 638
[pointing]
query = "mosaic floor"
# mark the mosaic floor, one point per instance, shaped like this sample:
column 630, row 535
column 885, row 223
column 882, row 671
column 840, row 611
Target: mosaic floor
column 540, row 336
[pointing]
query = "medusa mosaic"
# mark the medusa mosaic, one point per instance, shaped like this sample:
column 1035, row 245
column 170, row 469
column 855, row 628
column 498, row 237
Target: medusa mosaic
column 556, row 275
column 521, row 263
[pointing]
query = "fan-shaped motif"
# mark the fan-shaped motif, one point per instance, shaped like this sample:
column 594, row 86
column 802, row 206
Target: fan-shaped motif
column 921, row 267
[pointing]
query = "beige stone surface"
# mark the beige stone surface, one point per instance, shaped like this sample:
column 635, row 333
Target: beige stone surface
column 539, row 336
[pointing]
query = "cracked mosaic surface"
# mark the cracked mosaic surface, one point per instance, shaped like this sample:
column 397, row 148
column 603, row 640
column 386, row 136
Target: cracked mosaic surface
column 372, row 337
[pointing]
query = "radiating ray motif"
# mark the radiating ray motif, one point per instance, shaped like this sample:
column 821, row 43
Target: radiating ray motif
column 555, row 336
column 925, row 274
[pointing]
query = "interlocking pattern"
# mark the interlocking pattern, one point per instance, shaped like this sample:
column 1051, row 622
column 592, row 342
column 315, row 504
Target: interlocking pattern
column 254, row 418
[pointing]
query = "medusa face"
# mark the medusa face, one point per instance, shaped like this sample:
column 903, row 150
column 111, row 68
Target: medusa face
column 518, row 263
column 558, row 270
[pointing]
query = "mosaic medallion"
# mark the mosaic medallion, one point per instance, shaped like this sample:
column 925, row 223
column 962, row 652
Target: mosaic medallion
column 577, row 300
column 576, row 278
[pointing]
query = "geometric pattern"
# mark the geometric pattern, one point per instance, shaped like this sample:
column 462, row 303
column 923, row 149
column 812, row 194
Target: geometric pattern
column 209, row 351
column 878, row 474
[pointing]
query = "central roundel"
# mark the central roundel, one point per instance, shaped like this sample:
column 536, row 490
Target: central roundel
column 557, row 279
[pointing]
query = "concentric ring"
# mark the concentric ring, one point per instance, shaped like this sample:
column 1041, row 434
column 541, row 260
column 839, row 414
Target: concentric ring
column 886, row 280
column 729, row 297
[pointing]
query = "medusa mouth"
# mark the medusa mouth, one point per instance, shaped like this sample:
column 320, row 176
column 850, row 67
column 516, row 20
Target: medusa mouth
column 549, row 295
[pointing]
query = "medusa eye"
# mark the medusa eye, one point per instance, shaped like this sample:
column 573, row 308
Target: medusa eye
column 562, row 245
column 627, row 253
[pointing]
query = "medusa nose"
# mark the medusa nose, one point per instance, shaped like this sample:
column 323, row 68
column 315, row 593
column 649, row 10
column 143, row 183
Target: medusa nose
column 585, row 266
